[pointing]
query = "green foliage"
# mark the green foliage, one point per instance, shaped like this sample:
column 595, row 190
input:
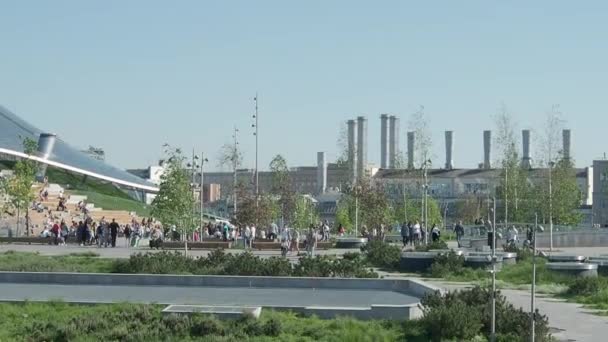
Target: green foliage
column 523, row 254
column 18, row 188
column 33, row 262
column 381, row 254
column 173, row 205
column 244, row 264
column 440, row 244
column 75, row 182
column 587, row 286
column 139, row 322
column 374, row 207
column 304, row 213
column 462, row 315
column 447, row 264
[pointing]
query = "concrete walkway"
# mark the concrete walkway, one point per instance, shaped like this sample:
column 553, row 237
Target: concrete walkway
column 569, row 321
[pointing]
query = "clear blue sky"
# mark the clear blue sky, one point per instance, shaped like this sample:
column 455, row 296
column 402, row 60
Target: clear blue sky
column 130, row 75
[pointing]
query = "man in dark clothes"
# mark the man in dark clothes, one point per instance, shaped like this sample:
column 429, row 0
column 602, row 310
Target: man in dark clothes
column 113, row 231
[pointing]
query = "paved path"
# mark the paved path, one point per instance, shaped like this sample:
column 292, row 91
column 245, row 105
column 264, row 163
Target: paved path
column 570, row 321
column 206, row 296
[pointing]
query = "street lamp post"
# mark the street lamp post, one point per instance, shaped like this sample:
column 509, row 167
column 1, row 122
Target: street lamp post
column 533, row 287
column 494, row 233
column 551, row 164
column 256, row 134
column 234, row 167
column 356, row 211
column 202, row 191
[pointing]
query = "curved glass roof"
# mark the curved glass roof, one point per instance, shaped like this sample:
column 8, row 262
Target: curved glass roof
column 14, row 129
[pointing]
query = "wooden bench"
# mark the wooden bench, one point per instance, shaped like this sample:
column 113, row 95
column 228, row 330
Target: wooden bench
column 197, row 245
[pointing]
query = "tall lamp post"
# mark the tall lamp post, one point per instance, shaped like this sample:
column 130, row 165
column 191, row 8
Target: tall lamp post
column 202, row 191
column 235, row 162
column 494, row 234
column 425, row 208
column 256, row 134
column 551, row 164
column 533, row 287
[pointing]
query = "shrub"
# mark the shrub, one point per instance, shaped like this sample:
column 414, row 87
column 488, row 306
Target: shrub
column 453, row 321
column 205, row 326
column 273, row 327
column 587, row 286
column 447, row 264
column 381, row 254
column 523, row 254
column 440, row 244
column 509, row 320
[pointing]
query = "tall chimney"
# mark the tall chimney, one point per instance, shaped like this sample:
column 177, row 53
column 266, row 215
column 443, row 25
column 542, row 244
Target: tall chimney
column 384, row 141
column 361, row 146
column 321, row 173
column 393, row 142
column 411, row 140
column 449, row 149
column 566, row 144
column 526, row 161
column 487, row 149
column 352, row 149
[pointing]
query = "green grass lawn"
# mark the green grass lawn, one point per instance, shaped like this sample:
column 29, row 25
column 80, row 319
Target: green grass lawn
column 33, row 262
column 57, row 321
column 72, row 181
column 109, row 202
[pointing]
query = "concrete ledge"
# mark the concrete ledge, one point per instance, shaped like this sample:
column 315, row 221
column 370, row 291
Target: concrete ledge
column 197, row 245
column 351, row 242
column 577, row 269
column 397, row 285
column 567, row 258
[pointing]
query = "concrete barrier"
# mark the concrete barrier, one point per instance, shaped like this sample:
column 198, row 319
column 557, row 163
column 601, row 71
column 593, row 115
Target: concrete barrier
column 566, row 258
column 482, row 261
column 197, row 245
column 602, row 264
column 350, row 242
column 416, row 261
column 577, row 269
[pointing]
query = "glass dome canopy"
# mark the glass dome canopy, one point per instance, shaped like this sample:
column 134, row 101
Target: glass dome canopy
column 14, row 129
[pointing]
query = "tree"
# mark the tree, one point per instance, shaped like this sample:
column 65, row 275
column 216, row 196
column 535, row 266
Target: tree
column 470, row 208
column 565, row 196
column 374, row 207
column 174, row 203
column 18, row 188
column 266, row 209
column 513, row 186
column 305, row 212
column 282, row 187
column 419, row 123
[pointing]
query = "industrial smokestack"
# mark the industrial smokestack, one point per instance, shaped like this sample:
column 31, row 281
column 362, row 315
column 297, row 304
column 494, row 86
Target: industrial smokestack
column 566, row 144
column 526, row 161
column 487, row 149
column 352, row 149
column 411, row 140
column 384, row 141
column 393, row 141
column 361, row 146
column 449, row 149
column 321, row 172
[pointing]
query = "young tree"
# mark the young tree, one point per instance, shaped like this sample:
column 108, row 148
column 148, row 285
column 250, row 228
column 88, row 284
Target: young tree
column 174, row 203
column 419, row 123
column 282, row 187
column 18, row 188
column 513, row 185
column 305, row 213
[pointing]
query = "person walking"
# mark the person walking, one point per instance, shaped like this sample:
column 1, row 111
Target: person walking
column 99, row 235
column 459, row 230
column 417, row 233
column 435, row 233
column 295, row 240
column 127, row 233
column 405, row 234
column 113, row 232
column 311, row 239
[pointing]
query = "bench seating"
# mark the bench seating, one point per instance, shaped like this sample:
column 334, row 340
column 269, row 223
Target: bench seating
column 25, row 239
column 197, row 245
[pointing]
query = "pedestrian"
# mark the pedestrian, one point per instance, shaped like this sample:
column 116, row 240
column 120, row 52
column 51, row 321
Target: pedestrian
column 65, row 231
column 56, row 232
column 311, row 241
column 417, row 233
column 99, row 235
column 113, row 232
column 435, row 233
column 295, row 240
column 405, row 233
column 326, row 231
column 459, row 230
column 247, row 237
column 127, row 234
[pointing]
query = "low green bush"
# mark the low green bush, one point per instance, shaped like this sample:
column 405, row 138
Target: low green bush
column 587, row 286
column 511, row 324
column 219, row 262
column 439, row 244
column 382, row 254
